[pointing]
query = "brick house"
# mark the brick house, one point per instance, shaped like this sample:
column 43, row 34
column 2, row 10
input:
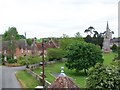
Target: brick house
column 22, row 50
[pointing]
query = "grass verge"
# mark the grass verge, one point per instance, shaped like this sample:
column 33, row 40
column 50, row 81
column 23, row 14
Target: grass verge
column 26, row 80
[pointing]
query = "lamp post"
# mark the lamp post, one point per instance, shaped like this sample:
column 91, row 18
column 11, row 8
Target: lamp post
column 43, row 75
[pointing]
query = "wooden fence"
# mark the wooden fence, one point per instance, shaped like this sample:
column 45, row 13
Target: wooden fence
column 37, row 77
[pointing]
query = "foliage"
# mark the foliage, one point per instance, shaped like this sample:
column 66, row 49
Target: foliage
column 64, row 42
column 82, row 55
column 30, row 60
column 21, row 37
column 94, row 40
column 77, row 35
column 21, row 61
column 29, row 41
column 114, row 48
column 12, row 32
column 89, row 30
column 55, row 54
column 103, row 77
column 119, row 52
column 11, row 61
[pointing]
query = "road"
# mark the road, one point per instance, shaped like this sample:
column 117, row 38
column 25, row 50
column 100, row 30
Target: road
column 7, row 77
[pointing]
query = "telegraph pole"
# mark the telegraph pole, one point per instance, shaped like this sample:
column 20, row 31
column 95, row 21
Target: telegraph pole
column 26, row 51
column 43, row 75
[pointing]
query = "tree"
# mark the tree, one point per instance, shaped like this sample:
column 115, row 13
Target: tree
column 64, row 42
column 114, row 48
column 12, row 32
column 95, row 34
column 11, row 36
column 29, row 41
column 104, row 77
column 77, row 35
column 82, row 55
column 89, row 30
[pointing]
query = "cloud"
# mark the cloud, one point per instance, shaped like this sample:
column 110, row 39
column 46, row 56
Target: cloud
column 44, row 18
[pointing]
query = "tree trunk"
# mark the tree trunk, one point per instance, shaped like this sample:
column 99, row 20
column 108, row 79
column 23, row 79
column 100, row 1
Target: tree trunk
column 85, row 71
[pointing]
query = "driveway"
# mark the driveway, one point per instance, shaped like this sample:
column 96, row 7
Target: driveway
column 8, row 78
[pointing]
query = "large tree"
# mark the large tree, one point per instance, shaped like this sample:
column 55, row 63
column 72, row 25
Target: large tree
column 82, row 55
column 11, row 36
column 12, row 32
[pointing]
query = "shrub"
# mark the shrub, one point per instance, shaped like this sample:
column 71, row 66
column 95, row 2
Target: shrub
column 11, row 61
column 104, row 77
column 55, row 54
column 114, row 48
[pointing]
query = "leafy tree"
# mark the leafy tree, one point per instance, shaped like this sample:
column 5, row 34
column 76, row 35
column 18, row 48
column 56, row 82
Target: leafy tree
column 21, row 37
column 114, row 48
column 64, row 42
column 88, row 39
column 12, row 32
column 97, row 39
column 104, row 77
column 29, row 41
column 89, row 30
column 77, row 35
column 82, row 55
column 95, row 34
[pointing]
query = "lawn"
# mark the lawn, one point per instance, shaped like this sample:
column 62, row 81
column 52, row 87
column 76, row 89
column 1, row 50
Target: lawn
column 26, row 80
column 108, row 58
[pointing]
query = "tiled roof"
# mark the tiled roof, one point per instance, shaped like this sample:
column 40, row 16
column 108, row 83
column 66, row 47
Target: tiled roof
column 62, row 82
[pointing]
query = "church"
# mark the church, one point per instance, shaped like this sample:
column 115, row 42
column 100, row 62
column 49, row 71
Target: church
column 108, row 42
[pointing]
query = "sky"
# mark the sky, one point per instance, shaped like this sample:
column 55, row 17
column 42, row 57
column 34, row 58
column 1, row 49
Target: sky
column 53, row 18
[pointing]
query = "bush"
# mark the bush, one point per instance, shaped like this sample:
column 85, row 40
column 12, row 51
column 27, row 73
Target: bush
column 114, row 48
column 104, row 77
column 55, row 54
column 30, row 60
column 11, row 61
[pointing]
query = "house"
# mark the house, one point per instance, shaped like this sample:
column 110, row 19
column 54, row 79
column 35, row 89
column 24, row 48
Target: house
column 21, row 48
column 115, row 41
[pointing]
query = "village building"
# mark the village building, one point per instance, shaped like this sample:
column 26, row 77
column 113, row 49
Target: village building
column 107, row 38
column 21, row 48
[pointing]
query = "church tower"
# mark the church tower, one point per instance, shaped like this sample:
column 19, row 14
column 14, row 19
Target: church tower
column 107, row 38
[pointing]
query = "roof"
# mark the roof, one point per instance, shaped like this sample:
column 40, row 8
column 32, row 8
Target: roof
column 20, row 44
column 62, row 82
column 115, row 40
column 48, row 44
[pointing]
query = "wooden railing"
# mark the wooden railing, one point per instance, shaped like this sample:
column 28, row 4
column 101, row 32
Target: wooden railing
column 37, row 77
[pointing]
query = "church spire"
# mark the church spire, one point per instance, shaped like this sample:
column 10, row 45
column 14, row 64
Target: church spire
column 107, row 26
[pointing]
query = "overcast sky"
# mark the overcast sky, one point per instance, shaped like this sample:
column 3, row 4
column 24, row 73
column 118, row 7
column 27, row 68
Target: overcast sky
column 53, row 18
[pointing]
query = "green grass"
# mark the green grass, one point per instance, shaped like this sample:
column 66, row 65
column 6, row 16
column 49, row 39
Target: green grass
column 26, row 79
column 108, row 58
